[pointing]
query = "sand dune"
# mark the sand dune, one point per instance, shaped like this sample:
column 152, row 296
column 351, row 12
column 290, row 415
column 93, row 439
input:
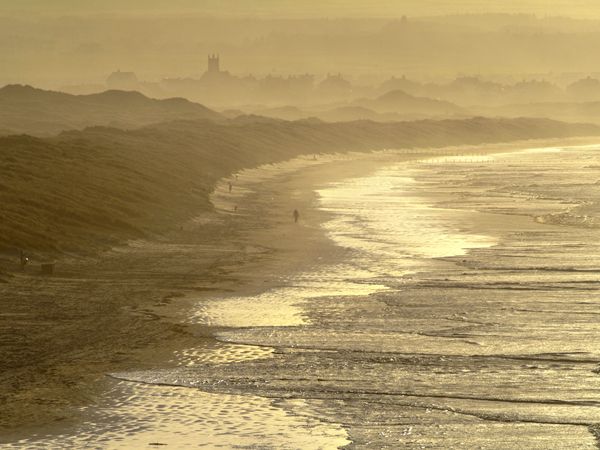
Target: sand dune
column 24, row 109
column 89, row 190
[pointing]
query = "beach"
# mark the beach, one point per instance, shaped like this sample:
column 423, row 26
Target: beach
column 426, row 299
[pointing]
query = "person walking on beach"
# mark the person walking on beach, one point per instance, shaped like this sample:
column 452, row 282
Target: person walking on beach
column 24, row 260
column 296, row 216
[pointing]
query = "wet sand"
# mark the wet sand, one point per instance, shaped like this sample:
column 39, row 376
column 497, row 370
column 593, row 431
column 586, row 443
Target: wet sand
column 129, row 308
column 341, row 353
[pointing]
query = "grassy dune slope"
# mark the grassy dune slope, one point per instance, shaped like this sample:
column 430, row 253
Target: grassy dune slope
column 86, row 190
column 24, row 109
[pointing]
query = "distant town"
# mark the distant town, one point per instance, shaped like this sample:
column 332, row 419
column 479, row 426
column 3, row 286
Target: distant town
column 220, row 88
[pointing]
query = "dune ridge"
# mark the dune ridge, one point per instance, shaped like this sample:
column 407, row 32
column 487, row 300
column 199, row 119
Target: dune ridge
column 84, row 191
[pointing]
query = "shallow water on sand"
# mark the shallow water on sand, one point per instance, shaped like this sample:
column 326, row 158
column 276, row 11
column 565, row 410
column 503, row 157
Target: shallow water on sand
column 382, row 218
column 464, row 314
column 487, row 334
column 151, row 416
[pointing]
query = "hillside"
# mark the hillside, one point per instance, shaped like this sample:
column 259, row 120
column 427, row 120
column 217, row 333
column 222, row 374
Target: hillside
column 283, row 113
column 350, row 113
column 400, row 102
column 395, row 105
column 335, row 114
column 24, row 109
column 87, row 190
column 392, row 106
column 566, row 111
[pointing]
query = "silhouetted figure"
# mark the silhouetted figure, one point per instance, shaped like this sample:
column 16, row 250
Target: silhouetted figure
column 24, row 259
column 296, row 216
column 235, row 208
column 230, row 186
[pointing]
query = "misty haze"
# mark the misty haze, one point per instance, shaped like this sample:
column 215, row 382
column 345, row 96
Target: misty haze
column 297, row 224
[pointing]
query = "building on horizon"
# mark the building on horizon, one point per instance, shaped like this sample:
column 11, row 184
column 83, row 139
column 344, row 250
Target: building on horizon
column 214, row 64
column 123, row 81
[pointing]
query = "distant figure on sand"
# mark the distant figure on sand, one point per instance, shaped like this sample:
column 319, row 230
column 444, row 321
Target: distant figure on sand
column 230, row 186
column 296, row 216
column 24, row 259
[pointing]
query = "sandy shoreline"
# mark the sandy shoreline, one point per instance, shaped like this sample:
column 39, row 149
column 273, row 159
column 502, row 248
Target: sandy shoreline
column 142, row 294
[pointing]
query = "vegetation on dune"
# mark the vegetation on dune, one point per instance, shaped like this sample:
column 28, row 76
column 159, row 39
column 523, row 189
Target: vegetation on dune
column 83, row 191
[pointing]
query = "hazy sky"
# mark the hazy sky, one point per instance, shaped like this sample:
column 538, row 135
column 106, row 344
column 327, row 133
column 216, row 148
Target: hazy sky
column 54, row 43
column 311, row 8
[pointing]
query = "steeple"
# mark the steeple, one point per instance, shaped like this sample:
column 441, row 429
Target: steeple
column 213, row 64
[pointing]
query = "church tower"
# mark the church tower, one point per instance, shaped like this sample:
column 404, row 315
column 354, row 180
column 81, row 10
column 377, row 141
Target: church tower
column 213, row 64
